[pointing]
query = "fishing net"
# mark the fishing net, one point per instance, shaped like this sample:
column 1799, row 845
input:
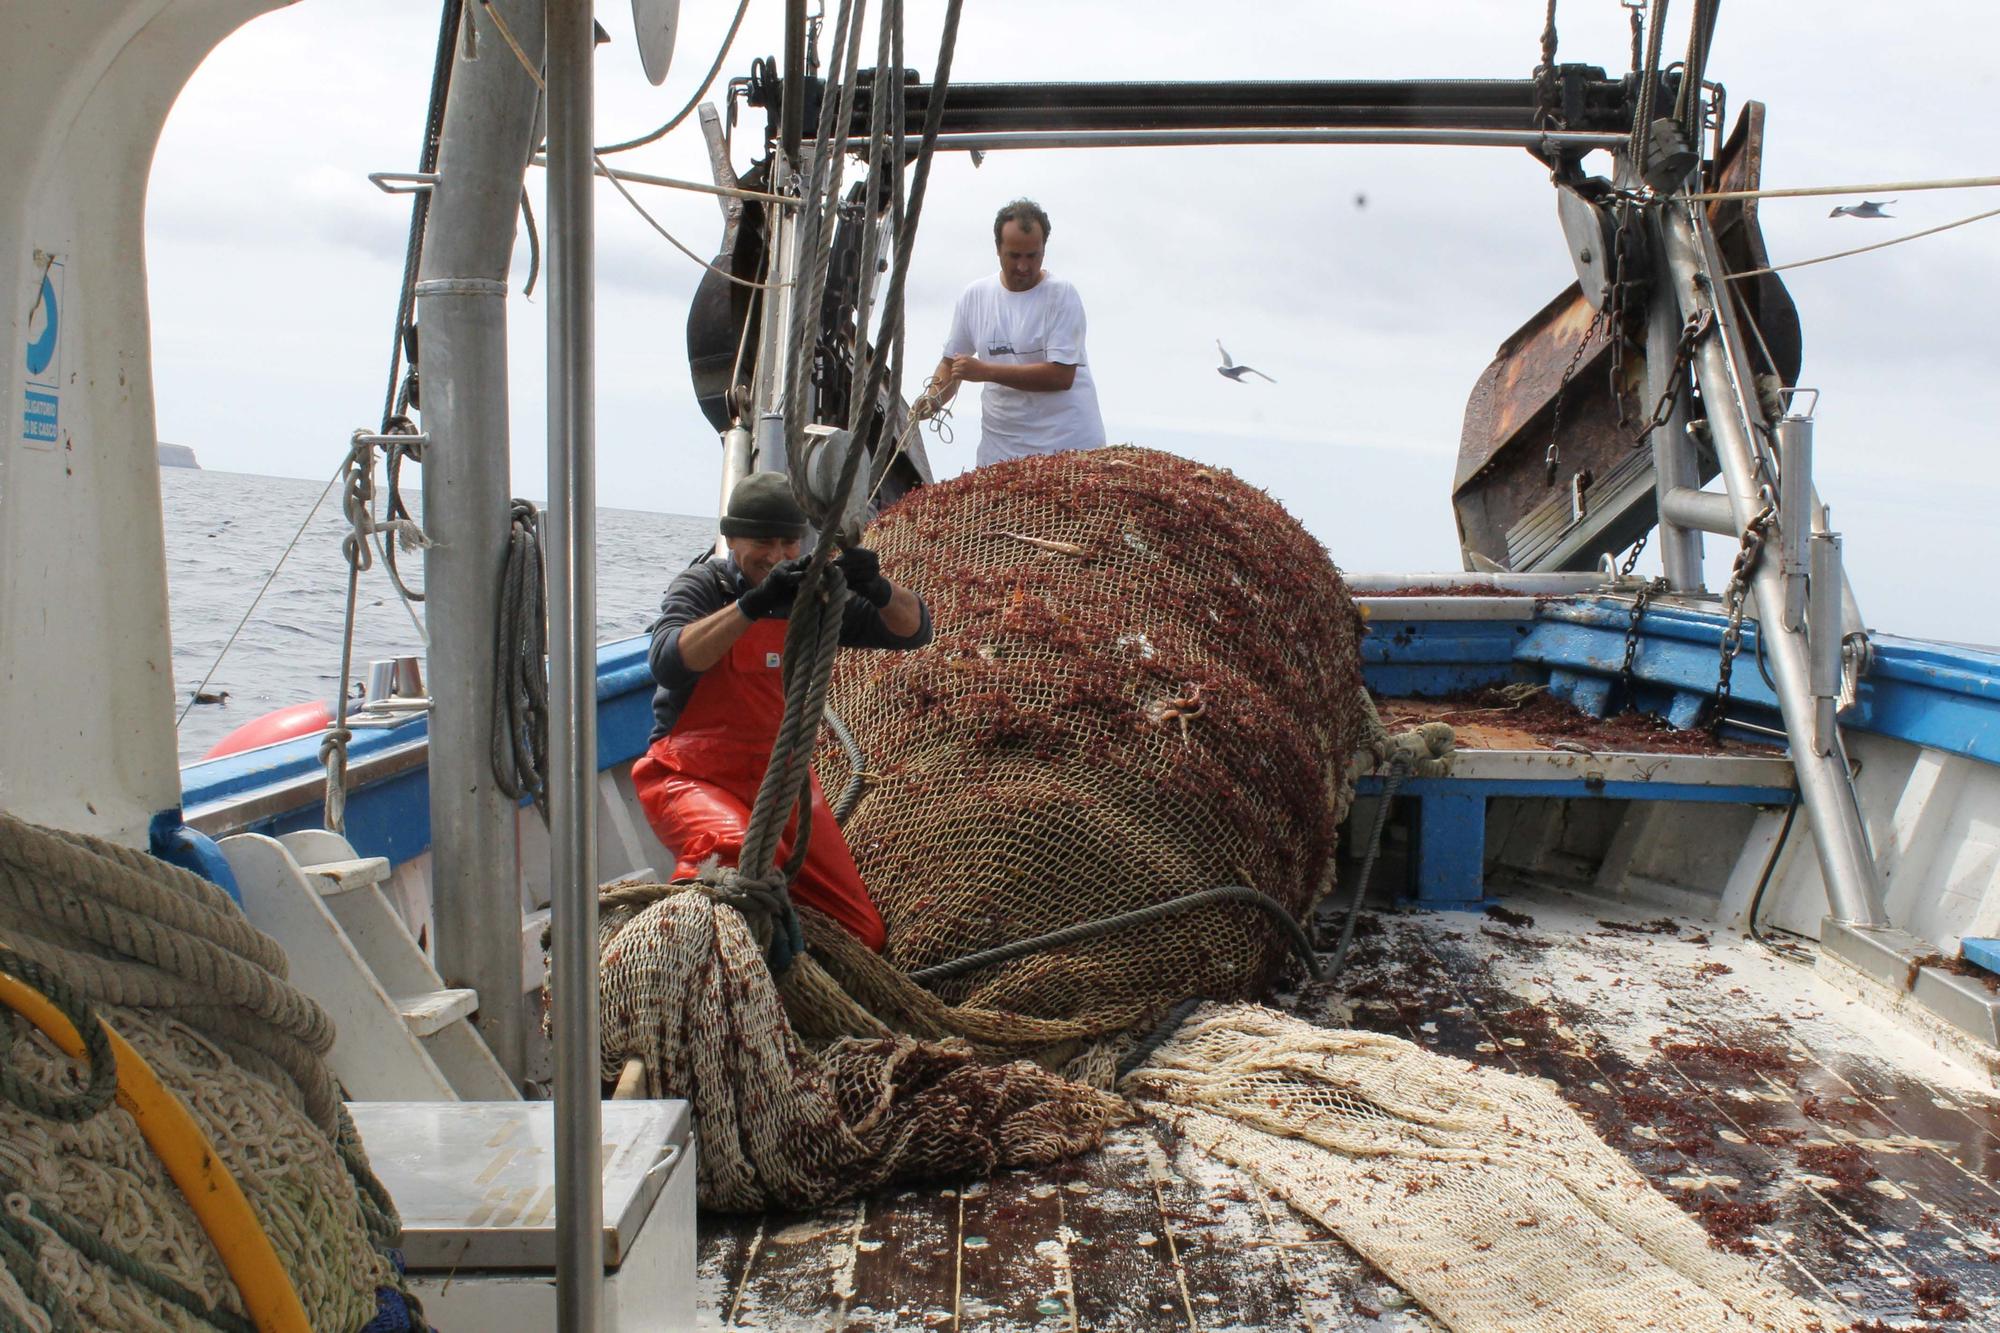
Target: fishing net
column 784, row 1126
column 1145, row 682
column 1480, row 1193
column 93, row 1227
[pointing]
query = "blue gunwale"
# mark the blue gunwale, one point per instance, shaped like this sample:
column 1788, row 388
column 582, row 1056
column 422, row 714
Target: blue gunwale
column 1943, row 696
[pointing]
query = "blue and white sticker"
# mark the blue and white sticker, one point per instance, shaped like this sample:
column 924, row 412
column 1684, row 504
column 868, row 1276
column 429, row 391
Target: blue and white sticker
column 41, row 398
column 774, row 660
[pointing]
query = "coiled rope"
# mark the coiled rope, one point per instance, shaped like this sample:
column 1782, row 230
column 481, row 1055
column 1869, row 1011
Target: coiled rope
column 91, row 922
column 520, row 676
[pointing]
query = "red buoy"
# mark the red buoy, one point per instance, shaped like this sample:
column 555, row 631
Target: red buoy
column 280, row 724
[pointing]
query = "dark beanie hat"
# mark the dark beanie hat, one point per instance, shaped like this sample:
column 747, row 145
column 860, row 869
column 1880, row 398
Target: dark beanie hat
column 761, row 505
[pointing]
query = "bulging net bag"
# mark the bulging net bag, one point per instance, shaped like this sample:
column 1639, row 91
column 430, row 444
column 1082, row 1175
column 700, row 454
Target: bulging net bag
column 1145, row 682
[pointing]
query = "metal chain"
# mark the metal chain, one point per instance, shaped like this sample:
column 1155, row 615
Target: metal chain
column 1553, row 458
column 1632, row 556
column 1646, row 593
column 1547, row 110
column 1747, row 555
column 1697, row 325
column 1614, row 301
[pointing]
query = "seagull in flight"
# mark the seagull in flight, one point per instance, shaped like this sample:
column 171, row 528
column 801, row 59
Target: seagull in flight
column 1867, row 208
column 1230, row 370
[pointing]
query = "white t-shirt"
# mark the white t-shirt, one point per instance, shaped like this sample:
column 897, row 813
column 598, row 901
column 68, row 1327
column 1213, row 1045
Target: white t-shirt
column 1044, row 323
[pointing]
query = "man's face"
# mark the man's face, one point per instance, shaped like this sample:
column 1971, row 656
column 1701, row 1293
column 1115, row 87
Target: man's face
column 758, row 556
column 1020, row 256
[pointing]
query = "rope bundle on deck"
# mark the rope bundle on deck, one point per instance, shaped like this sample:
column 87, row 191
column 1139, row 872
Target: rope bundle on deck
column 99, row 1234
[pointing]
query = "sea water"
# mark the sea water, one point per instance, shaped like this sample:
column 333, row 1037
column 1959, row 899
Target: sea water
column 226, row 531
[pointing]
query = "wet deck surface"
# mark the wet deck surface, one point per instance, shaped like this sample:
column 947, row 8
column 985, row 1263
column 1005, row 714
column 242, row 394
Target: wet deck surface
column 1797, row 1126
column 1491, row 720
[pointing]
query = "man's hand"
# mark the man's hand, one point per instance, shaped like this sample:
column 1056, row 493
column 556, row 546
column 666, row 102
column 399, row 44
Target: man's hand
column 968, row 370
column 864, row 576
column 773, row 597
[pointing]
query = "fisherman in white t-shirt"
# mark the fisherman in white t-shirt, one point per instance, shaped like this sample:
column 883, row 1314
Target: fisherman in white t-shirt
column 1020, row 333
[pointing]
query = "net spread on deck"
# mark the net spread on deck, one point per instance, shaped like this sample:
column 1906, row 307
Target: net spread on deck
column 1480, row 1193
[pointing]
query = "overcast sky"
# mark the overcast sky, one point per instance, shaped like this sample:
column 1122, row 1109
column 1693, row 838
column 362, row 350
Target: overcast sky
column 274, row 264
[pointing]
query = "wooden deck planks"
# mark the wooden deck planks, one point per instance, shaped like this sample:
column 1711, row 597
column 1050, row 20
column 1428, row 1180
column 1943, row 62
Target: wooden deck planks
column 797, row 1266
column 1125, row 1272
column 905, row 1271
column 1014, row 1261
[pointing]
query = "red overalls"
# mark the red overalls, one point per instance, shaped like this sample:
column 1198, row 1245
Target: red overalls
column 698, row 782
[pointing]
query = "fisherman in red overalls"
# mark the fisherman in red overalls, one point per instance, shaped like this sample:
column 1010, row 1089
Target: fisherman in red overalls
column 718, row 657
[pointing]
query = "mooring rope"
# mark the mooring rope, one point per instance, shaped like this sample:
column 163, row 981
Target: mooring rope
column 520, row 674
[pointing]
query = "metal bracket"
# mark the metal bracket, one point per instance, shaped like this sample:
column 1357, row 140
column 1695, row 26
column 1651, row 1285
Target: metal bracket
column 403, row 182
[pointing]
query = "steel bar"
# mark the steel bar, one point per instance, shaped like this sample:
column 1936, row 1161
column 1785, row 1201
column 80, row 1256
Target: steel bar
column 1697, row 510
column 1548, row 142
column 572, row 384
column 1591, row 102
column 735, row 466
column 1846, row 863
column 1795, row 511
column 792, row 106
column 675, row 183
column 1823, row 636
column 489, row 124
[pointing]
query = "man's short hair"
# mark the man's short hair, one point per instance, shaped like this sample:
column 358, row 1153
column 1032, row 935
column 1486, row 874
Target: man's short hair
column 1021, row 212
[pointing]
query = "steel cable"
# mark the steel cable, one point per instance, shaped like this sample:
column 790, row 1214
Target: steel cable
column 1139, row 916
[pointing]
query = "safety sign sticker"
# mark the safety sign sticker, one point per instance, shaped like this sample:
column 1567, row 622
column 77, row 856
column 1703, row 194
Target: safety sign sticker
column 41, row 398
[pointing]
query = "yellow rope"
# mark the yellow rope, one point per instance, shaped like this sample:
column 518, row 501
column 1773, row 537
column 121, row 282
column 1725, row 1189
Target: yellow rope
column 173, row 1133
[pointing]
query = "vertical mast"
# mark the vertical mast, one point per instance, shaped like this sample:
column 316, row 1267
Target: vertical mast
column 489, row 122
column 572, row 667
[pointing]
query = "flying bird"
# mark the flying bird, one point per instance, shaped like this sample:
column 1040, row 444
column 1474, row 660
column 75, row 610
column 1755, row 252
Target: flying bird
column 1867, row 208
column 1230, row 370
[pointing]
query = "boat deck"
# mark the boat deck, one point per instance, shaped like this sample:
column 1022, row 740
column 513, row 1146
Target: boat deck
column 1794, row 1123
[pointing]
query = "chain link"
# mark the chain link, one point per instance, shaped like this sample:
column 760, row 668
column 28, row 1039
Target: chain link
column 1652, row 588
column 1747, row 555
column 1691, row 332
column 1553, row 458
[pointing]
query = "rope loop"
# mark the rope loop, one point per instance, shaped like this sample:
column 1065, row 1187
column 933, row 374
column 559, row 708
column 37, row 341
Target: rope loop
column 765, row 903
column 103, row 1082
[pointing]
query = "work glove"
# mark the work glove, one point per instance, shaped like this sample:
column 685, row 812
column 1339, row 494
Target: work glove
column 773, row 597
column 864, row 576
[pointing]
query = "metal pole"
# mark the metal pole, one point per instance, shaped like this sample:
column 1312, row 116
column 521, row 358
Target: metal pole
column 792, row 109
column 997, row 141
column 572, row 669
column 462, row 309
column 1848, row 867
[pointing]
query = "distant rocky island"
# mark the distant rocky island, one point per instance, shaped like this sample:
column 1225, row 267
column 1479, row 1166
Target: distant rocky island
column 177, row 455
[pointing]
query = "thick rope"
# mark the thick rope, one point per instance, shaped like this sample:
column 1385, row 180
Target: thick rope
column 153, row 944
column 520, row 676
column 30, row 1096
column 812, row 635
